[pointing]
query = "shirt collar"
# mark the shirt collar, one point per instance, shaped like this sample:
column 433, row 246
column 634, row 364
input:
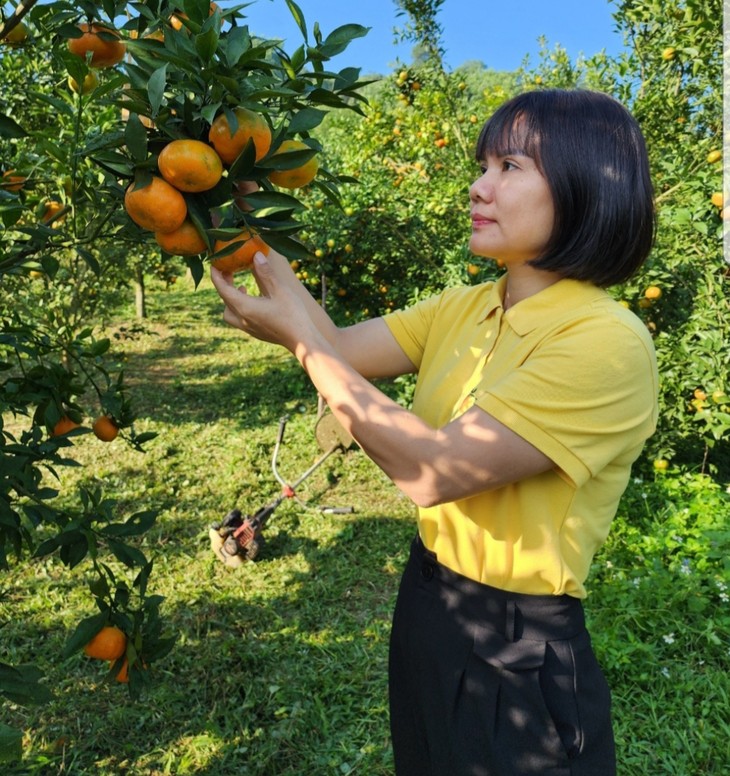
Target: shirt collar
column 563, row 296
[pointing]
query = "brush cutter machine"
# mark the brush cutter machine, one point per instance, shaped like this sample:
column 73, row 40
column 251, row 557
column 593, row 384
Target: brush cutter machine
column 237, row 538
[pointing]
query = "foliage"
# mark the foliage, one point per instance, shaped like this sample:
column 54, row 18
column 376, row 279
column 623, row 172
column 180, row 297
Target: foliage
column 68, row 247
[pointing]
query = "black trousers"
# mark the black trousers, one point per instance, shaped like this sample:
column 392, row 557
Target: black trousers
column 484, row 682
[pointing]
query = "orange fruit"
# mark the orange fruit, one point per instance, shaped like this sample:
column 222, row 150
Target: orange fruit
column 299, row 176
column 176, row 18
column 653, row 292
column 12, row 182
column 241, row 258
column 123, row 673
column 714, row 156
column 17, row 35
column 184, row 241
column 64, row 426
column 251, row 126
column 718, row 199
column 190, row 165
column 108, row 644
column 105, row 428
column 106, row 48
column 91, row 81
column 158, row 206
column 51, row 209
column 669, row 53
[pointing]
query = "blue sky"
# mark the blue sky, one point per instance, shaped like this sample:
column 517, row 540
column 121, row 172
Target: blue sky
column 497, row 32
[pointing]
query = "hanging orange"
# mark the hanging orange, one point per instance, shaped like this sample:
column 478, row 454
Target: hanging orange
column 186, row 240
column 190, row 165
column 105, row 428
column 158, row 206
column 106, row 48
column 251, row 126
column 108, row 644
column 298, row 176
column 241, row 258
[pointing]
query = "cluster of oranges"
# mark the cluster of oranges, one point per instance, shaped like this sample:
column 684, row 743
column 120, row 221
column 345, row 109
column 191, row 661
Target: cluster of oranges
column 110, row 643
column 190, row 166
column 104, row 427
column 194, row 166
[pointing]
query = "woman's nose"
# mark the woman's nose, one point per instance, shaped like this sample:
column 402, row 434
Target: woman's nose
column 481, row 189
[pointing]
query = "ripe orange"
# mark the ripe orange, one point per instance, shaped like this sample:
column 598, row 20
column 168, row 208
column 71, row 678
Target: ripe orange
column 251, row 125
column 51, row 209
column 103, row 42
column 105, row 428
column 12, row 182
column 108, row 644
column 64, row 426
column 714, row 156
column 299, row 176
column 653, row 292
column 669, row 53
column 241, row 258
column 190, row 165
column 123, row 673
column 718, row 199
column 184, row 241
column 158, row 206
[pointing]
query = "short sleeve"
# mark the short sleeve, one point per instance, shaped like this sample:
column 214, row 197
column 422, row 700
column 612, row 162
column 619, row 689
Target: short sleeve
column 584, row 397
column 411, row 327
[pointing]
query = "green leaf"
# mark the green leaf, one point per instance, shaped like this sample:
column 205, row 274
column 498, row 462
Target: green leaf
column 296, row 12
column 84, row 632
column 306, row 119
column 338, row 40
column 238, row 42
column 19, row 684
column 206, row 43
column 272, row 199
column 129, row 556
column 156, row 87
column 137, row 524
column 288, row 247
column 11, row 129
column 11, row 743
column 135, row 137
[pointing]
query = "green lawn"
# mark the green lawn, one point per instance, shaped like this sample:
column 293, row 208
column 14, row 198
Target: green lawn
column 280, row 665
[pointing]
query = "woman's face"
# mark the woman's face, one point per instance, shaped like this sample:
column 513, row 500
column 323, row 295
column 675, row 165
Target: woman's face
column 512, row 212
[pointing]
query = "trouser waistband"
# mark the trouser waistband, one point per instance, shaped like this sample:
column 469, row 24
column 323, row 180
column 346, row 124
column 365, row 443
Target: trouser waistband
column 514, row 615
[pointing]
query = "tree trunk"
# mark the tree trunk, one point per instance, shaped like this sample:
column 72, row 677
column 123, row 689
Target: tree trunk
column 139, row 295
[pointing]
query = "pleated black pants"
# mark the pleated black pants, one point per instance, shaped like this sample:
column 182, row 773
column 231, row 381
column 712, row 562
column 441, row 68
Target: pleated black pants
column 489, row 683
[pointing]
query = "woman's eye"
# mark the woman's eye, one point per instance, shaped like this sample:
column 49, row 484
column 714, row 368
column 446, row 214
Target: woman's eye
column 508, row 164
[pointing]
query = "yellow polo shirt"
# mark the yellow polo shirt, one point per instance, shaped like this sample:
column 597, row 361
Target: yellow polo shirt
column 569, row 370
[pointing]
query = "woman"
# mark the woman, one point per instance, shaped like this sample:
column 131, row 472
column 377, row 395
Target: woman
column 535, row 395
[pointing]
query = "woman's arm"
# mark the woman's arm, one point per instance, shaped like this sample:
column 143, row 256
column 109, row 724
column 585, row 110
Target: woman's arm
column 471, row 454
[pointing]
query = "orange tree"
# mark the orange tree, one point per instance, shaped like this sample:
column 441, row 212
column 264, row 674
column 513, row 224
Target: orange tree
column 403, row 230
column 168, row 72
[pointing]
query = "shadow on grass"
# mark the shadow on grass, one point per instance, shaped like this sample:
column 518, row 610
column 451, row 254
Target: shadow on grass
column 280, row 668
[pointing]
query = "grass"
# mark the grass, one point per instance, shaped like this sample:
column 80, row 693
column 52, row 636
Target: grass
column 280, row 665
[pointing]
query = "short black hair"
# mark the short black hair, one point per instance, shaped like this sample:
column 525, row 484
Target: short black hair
column 592, row 153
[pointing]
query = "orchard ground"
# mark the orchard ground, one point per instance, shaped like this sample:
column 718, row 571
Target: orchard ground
column 280, row 666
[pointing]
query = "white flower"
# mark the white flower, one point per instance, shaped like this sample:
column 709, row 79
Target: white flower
column 665, row 672
column 669, row 638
